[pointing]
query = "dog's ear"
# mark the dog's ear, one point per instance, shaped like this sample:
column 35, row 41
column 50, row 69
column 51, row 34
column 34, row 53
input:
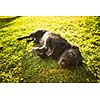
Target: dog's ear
column 75, row 47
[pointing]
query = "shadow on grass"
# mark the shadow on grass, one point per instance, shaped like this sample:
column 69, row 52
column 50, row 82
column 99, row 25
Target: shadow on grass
column 84, row 75
column 4, row 22
column 33, row 74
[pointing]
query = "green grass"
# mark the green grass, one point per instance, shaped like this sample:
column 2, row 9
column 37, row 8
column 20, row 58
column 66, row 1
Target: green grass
column 18, row 65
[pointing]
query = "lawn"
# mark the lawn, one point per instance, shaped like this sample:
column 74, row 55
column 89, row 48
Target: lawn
column 18, row 65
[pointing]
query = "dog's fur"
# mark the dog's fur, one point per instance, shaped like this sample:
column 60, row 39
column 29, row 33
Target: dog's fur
column 55, row 46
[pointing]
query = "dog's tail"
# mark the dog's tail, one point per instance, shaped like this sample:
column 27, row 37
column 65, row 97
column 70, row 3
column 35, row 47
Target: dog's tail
column 21, row 38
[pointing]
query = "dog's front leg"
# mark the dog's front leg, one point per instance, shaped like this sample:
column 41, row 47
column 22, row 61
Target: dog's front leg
column 40, row 51
column 35, row 50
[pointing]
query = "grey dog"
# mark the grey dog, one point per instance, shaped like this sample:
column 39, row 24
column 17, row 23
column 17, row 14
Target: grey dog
column 53, row 45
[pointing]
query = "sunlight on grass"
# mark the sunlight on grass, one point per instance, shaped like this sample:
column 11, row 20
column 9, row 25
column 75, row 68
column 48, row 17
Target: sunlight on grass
column 18, row 65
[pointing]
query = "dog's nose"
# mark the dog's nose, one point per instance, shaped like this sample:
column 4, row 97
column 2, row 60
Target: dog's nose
column 62, row 63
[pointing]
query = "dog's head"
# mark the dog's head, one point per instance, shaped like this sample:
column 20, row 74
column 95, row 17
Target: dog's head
column 70, row 57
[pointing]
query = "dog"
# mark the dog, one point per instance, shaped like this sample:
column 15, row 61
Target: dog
column 53, row 45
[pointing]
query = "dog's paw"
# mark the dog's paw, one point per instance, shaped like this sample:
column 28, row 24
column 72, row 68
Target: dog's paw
column 35, row 50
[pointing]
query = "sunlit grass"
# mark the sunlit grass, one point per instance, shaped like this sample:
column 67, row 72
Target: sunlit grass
column 18, row 65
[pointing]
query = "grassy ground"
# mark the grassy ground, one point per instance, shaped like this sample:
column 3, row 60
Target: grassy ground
column 18, row 65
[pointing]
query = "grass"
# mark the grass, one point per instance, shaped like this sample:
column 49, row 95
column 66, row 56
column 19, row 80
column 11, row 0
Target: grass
column 18, row 65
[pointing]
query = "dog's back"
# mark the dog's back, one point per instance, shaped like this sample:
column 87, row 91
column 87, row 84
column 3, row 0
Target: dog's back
column 55, row 43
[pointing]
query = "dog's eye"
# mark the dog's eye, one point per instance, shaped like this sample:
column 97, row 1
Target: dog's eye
column 72, row 54
column 63, row 60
